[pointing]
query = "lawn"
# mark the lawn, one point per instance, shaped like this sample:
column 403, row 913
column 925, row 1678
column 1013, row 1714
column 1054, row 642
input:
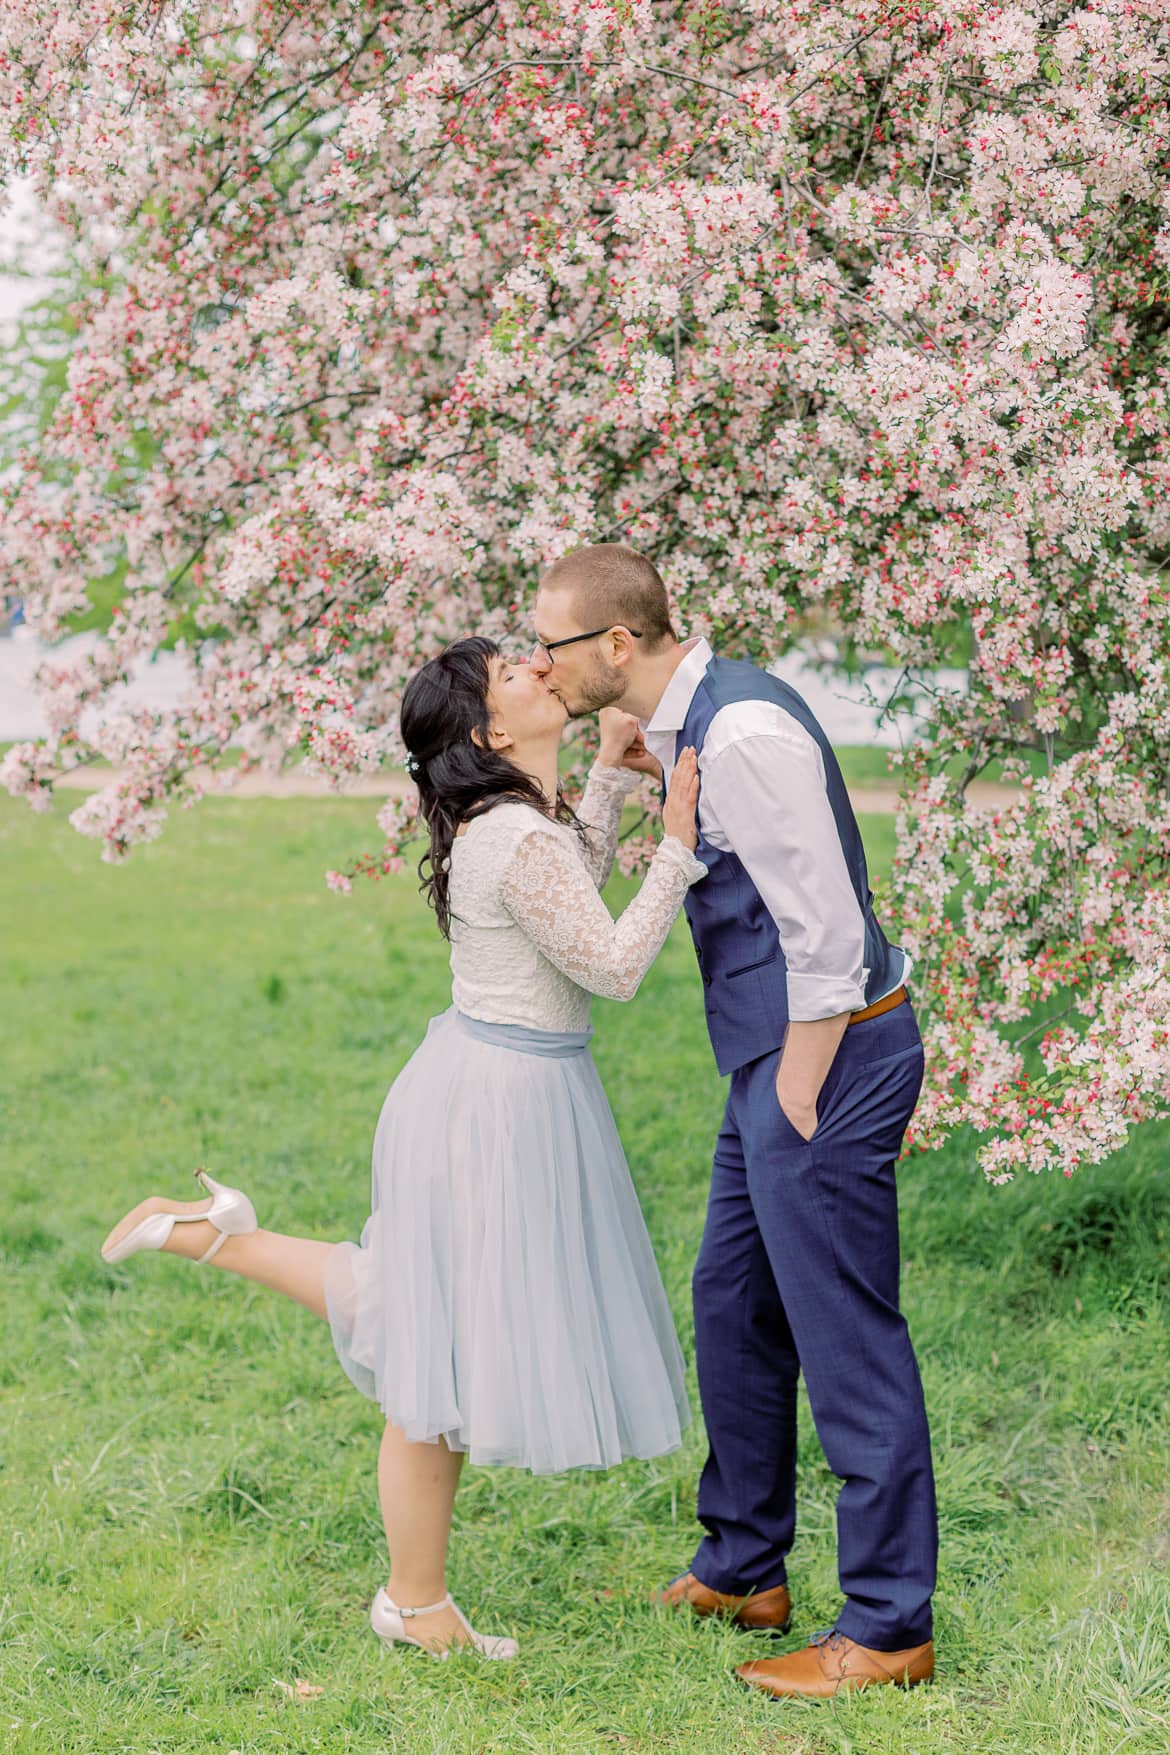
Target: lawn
column 189, row 1515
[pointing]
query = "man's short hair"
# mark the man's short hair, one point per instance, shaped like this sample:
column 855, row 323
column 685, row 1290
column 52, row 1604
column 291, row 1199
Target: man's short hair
column 614, row 586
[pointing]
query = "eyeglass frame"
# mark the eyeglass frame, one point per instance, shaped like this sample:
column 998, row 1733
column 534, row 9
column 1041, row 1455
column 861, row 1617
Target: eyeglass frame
column 548, row 647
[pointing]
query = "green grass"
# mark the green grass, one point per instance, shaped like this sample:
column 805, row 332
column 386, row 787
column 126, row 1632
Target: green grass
column 189, row 1513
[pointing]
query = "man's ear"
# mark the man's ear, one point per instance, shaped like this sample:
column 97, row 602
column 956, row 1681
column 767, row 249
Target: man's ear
column 621, row 646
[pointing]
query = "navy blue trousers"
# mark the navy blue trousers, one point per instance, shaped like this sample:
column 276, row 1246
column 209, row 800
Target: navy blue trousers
column 798, row 1271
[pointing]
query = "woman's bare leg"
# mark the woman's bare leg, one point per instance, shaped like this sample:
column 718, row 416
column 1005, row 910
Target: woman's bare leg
column 416, row 1484
column 292, row 1265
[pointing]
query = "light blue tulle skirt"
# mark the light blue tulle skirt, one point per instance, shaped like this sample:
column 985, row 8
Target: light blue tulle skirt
column 504, row 1295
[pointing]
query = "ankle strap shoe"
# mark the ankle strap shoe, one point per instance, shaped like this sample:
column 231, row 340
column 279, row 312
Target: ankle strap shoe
column 390, row 1623
column 231, row 1213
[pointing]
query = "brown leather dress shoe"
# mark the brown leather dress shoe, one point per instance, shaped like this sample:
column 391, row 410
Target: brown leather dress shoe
column 763, row 1611
column 833, row 1664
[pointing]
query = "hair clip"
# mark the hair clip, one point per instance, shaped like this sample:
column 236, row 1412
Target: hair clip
column 413, row 765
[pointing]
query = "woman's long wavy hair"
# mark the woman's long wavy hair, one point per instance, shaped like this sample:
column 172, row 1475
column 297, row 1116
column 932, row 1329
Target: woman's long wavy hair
column 457, row 778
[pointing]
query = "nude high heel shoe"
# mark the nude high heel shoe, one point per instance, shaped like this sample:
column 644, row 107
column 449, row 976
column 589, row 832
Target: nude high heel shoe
column 231, row 1212
column 389, row 1623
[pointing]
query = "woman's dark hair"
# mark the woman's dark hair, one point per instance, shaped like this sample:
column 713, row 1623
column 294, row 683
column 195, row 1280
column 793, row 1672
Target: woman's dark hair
column 458, row 779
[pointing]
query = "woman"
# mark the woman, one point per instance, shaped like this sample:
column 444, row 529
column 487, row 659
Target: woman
column 504, row 1301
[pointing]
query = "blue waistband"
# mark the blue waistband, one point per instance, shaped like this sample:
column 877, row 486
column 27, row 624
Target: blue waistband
column 554, row 1044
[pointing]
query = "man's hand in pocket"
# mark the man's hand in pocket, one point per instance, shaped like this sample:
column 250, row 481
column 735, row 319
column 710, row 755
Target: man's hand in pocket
column 809, row 1051
column 801, row 1114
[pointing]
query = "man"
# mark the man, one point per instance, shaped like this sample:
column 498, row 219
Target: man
column 808, row 1012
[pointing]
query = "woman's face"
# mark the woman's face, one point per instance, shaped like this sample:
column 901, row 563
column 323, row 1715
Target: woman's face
column 522, row 706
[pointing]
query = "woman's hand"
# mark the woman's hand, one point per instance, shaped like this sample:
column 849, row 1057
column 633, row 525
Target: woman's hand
column 682, row 799
column 622, row 745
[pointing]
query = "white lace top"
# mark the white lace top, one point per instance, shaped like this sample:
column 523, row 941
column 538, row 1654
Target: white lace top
column 531, row 938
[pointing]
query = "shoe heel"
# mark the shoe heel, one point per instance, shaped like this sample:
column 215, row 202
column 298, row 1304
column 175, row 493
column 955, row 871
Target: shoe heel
column 231, row 1213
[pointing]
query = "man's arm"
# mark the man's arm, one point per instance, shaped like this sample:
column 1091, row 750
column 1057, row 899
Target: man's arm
column 767, row 793
column 810, row 1049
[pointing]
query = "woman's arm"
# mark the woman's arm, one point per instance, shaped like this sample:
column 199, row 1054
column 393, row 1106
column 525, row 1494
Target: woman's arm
column 606, row 790
column 600, row 810
column 549, row 894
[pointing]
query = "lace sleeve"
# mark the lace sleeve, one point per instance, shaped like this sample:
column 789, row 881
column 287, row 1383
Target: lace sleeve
column 600, row 810
column 549, row 895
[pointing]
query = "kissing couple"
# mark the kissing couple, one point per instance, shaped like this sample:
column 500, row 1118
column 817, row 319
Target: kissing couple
column 504, row 1302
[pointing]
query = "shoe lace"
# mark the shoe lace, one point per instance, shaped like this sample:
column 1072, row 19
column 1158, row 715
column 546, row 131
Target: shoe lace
column 831, row 1638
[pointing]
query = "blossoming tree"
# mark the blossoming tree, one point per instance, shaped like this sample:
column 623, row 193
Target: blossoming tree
column 855, row 308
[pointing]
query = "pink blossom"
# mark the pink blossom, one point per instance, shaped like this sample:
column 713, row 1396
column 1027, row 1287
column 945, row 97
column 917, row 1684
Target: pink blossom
column 854, row 324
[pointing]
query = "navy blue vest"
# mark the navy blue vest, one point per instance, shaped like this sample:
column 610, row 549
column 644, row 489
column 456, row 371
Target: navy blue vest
column 745, row 983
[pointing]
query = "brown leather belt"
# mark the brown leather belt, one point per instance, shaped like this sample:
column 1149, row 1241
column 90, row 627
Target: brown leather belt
column 880, row 1005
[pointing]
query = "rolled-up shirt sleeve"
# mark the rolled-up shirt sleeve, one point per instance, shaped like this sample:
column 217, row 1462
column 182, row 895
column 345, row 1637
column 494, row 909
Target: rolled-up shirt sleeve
column 766, row 794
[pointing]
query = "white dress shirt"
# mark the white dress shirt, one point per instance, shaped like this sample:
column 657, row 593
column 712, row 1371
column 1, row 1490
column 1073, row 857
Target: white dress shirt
column 764, row 798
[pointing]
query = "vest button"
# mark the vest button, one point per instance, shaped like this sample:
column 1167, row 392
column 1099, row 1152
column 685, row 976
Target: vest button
column 706, row 979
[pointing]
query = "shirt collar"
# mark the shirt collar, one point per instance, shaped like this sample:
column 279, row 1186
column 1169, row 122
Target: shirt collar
column 671, row 711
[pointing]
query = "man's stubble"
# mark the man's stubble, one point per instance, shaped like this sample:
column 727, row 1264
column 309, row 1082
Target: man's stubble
column 603, row 687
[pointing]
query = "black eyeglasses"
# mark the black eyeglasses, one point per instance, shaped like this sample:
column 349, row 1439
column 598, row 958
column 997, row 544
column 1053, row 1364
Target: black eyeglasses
column 548, row 647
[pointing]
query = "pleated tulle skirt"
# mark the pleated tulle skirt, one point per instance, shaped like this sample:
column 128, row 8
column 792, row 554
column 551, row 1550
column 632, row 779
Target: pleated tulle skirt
column 504, row 1295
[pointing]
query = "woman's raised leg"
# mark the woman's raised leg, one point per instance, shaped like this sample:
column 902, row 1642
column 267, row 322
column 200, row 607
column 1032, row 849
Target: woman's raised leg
column 292, row 1265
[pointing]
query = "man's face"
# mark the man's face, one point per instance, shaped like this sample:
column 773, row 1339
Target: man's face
column 580, row 675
